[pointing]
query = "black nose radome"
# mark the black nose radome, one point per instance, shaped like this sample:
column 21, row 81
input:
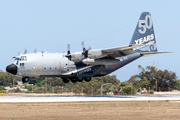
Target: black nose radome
column 12, row 69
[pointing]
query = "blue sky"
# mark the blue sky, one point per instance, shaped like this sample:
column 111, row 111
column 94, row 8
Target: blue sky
column 49, row 25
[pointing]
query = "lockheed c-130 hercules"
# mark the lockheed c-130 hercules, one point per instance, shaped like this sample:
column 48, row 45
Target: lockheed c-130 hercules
column 89, row 63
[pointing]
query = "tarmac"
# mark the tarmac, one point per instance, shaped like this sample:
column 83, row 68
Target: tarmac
column 16, row 99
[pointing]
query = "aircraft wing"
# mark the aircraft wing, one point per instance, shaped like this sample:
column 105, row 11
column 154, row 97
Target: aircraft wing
column 121, row 51
column 152, row 53
column 122, row 48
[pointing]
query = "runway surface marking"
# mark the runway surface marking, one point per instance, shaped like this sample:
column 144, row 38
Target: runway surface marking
column 87, row 98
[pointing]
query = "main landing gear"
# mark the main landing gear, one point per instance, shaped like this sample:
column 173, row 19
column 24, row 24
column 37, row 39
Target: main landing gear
column 87, row 79
column 65, row 80
column 80, row 79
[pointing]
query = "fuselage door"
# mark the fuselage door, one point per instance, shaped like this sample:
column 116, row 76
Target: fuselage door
column 103, row 69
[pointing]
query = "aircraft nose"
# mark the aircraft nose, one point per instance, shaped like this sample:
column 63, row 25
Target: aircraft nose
column 12, row 69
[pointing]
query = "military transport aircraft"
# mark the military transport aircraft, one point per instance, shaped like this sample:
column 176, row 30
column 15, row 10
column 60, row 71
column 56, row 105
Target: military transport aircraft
column 89, row 63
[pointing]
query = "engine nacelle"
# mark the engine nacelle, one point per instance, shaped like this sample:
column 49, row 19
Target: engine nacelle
column 77, row 57
column 94, row 54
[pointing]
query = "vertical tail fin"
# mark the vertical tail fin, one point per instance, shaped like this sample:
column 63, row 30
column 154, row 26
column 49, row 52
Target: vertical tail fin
column 144, row 34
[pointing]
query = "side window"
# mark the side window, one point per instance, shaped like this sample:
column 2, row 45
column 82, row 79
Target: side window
column 17, row 62
column 22, row 66
column 25, row 58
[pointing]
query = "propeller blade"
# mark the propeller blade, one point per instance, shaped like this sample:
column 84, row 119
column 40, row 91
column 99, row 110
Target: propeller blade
column 35, row 50
column 25, row 51
column 89, row 48
column 68, row 49
column 85, row 52
column 84, row 49
column 68, row 52
column 19, row 53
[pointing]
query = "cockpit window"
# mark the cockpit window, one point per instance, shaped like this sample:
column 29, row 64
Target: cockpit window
column 18, row 59
column 23, row 58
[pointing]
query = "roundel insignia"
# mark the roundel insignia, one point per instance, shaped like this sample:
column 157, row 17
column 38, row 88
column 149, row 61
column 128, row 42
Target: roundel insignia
column 151, row 47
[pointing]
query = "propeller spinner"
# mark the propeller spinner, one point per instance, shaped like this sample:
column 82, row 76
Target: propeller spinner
column 85, row 52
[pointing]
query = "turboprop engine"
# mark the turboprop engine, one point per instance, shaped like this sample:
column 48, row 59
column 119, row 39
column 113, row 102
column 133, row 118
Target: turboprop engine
column 94, row 54
column 80, row 56
column 77, row 57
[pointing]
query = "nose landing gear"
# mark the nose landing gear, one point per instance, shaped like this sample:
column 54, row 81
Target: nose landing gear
column 25, row 79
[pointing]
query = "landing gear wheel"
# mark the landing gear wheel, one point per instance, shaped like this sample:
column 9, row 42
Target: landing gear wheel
column 65, row 80
column 87, row 79
column 74, row 81
column 80, row 79
column 25, row 79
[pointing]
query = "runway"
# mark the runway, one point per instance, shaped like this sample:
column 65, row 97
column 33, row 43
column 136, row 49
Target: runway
column 13, row 99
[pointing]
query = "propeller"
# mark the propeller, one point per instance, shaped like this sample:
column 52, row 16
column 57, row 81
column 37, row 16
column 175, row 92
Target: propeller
column 35, row 50
column 89, row 48
column 68, row 52
column 25, row 51
column 19, row 53
column 84, row 49
column 85, row 52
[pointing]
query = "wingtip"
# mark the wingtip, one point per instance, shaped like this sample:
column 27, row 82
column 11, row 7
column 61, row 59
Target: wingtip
column 168, row 52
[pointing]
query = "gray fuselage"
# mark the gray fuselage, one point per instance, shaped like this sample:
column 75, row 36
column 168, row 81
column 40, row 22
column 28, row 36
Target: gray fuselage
column 36, row 65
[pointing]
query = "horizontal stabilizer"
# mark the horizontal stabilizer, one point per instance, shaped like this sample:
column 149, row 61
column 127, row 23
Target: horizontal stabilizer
column 152, row 53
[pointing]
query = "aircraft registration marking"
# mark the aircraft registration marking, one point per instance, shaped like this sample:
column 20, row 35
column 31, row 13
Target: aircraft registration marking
column 84, row 71
column 123, row 58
